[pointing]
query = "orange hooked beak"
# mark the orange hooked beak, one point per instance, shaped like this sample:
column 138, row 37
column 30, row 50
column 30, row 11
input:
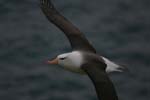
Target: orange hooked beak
column 53, row 62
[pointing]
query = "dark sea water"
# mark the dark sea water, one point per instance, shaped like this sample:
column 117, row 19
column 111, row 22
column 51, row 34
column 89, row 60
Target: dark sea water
column 118, row 29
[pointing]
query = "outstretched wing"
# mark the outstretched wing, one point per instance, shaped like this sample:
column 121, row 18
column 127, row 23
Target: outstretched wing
column 103, row 85
column 75, row 36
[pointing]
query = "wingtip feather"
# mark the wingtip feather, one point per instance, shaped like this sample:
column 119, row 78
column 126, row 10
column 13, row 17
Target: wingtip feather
column 46, row 3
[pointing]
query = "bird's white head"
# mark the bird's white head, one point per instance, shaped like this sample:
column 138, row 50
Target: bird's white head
column 72, row 59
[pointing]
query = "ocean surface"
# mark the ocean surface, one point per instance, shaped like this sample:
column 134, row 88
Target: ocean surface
column 118, row 29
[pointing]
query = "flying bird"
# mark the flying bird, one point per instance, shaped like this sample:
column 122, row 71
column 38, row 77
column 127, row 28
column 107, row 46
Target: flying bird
column 83, row 58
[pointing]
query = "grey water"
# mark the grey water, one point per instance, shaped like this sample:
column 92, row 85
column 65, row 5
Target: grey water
column 118, row 29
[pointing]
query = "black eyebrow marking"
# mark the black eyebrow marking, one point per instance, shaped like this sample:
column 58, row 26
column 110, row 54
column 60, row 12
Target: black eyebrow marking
column 63, row 58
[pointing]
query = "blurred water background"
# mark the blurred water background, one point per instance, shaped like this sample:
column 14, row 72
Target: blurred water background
column 118, row 29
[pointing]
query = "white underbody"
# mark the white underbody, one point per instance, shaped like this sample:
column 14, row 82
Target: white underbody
column 74, row 61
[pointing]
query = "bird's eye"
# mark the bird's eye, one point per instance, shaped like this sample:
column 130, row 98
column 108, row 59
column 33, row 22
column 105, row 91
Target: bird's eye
column 63, row 58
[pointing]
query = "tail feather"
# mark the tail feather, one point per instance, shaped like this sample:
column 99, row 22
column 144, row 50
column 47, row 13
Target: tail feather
column 113, row 67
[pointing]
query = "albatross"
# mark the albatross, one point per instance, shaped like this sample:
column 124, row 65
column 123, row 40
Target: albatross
column 83, row 58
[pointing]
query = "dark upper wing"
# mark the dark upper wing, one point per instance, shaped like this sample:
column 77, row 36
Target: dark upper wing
column 103, row 85
column 75, row 36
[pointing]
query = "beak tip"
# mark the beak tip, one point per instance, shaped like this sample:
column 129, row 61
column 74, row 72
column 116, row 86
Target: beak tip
column 52, row 62
column 46, row 62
